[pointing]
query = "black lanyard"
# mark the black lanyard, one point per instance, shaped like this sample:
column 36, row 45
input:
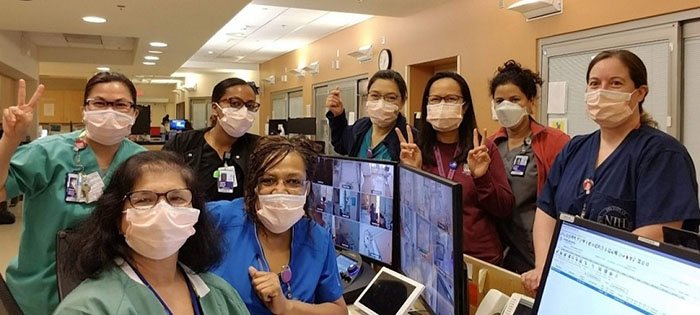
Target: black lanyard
column 195, row 301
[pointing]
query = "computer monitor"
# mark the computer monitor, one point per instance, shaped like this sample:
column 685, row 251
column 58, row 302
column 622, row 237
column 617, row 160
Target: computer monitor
column 177, row 124
column 596, row 269
column 430, row 238
column 354, row 200
column 277, row 127
column 302, row 126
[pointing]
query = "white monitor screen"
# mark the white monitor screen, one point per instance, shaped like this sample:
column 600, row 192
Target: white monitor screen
column 594, row 273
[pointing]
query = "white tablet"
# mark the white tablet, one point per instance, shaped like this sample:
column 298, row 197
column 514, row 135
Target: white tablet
column 389, row 293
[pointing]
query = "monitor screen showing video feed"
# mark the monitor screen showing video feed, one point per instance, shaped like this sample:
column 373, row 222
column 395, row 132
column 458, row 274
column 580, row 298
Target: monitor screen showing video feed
column 354, row 201
column 177, row 124
column 430, row 237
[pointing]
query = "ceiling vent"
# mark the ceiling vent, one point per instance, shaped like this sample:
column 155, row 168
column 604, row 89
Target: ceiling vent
column 83, row 39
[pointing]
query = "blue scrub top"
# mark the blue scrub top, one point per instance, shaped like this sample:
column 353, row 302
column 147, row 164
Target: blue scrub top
column 315, row 277
column 649, row 179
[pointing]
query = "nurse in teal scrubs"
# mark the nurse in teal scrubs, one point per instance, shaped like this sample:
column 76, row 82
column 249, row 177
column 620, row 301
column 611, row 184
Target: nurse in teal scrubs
column 44, row 170
column 148, row 244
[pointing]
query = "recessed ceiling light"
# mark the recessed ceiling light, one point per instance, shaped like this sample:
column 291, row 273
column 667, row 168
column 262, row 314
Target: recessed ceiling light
column 94, row 19
column 158, row 44
column 155, row 52
column 103, row 68
column 210, row 52
column 149, row 63
column 151, row 58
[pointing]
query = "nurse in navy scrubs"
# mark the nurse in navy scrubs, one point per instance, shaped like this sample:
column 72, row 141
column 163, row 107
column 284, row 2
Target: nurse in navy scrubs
column 627, row 174
column 278, row 258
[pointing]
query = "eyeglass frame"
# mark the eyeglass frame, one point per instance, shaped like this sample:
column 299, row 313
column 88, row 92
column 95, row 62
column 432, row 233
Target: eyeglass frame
column 109, row 104
column 459, row 100
column 230, row 100
column 302, row 187
column 383, row 97
column 127, row 197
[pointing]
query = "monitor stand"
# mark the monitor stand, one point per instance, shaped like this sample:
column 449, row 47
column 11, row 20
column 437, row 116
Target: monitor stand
column 353, row 291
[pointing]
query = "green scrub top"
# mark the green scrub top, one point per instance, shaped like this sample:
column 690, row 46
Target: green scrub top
column 118, row 290
column 38, row 170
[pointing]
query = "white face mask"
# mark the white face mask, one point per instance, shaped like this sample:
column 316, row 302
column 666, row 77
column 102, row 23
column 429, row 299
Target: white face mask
column 107, row 126
column 444, row 117
column 382, row 114
column 236, row 122
column 509, row 114
column 159, row 232
column 609, row 108
column 279, row 212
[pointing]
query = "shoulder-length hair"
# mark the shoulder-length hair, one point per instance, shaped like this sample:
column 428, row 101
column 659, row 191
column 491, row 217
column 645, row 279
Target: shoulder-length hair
column 428, row 136
column 99, row 238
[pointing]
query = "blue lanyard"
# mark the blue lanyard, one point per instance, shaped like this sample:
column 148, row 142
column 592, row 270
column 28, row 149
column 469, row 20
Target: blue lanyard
column 195, row 301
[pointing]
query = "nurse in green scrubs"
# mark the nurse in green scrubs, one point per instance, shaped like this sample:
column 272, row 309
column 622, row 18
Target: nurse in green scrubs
column 60, row 176
column 148, row 244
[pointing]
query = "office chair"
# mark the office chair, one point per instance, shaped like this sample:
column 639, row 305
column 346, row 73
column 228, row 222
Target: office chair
column 65, row 278
column 8, row 305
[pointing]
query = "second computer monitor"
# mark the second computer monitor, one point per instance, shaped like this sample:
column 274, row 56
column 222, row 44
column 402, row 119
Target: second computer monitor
column 431, row 238
column 354, row 201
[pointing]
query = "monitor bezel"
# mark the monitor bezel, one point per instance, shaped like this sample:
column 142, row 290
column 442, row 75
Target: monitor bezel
column 610, row 231
column 394, row 212
column 461, row 296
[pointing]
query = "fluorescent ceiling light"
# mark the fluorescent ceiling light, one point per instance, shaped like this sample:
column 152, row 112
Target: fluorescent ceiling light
column 149, row 63
column 94, row 19
column 151, row 58
column 155, row 52
column 158, row 44
column 103, row 68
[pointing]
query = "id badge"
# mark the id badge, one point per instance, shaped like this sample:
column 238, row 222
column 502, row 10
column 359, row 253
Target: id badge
column 519, row 165
column 73, row 191
column 226, row 181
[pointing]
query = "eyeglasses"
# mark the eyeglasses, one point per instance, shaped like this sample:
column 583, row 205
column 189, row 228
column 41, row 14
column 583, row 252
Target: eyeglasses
column 389, row 98
column 292, row 185
column 237, row 103
column 449, row 99
column 118, row 105
column 147, row 199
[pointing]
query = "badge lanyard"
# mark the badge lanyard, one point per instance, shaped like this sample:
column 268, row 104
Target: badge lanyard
column 195, row 301
column 453, row 164
column 587, row 187
column 285, row 276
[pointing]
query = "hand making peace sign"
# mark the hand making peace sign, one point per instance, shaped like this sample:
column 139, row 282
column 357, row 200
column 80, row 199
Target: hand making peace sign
column 410, row 152
column 16, row 119
column 478, row 158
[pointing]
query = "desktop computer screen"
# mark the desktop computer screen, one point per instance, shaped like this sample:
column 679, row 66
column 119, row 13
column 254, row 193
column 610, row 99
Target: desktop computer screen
column 597, row 269
column 354, row 201
column 430, row 238
column 177, row 124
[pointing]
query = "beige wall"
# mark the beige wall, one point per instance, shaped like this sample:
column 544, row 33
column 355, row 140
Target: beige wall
column 480, row 33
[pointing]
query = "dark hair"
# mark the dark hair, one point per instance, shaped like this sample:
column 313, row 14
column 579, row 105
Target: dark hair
column 268, row 152
column 637, row 72
column 106, row 77
column 512, row 72
column 220, row 88
column 99, row 239
column 428, row 136
column 390, row 75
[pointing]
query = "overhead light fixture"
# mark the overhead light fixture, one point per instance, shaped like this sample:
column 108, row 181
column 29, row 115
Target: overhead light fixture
column 151, row 58
column 534, row 9
column 270, row 80
column 94, row 19
column 149, row 63
column 158, row 44
column 362, row 54
column 210, row 52
column 103, row 69
column 155, row 52
column 296, row 72
column 312, row 68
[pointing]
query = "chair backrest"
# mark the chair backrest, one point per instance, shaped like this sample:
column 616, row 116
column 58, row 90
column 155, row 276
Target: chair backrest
column 8, row 305
column 66, row 279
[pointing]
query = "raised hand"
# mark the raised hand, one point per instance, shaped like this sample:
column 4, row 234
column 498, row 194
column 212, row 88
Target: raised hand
column 334, row 103
column 17, row 119
column 267, row 286
column 410, row 152
column 478, row 158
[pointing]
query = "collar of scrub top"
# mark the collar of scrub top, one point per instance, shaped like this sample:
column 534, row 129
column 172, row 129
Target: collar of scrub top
column 200, row 288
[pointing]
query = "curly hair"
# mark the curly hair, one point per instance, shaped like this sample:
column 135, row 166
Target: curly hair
column 99, row 238
column 512, row 72
column 270, row 151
